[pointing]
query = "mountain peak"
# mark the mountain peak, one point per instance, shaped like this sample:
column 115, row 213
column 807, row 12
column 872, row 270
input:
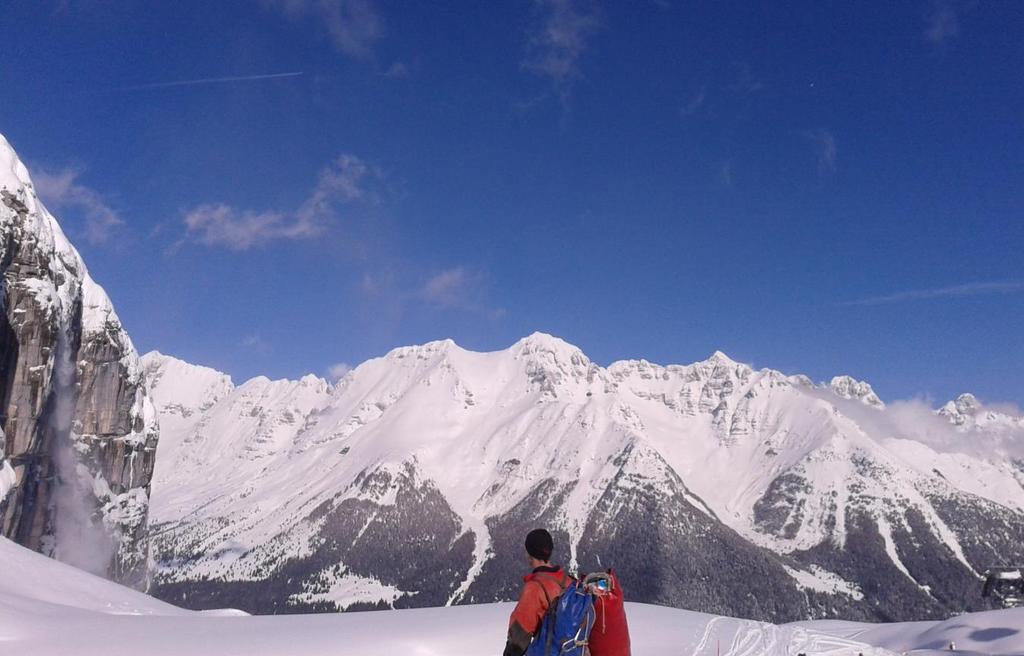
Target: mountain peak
column 850, row 388
column 543, row 341
column 720, row 359
column 156, row 359
column 173, row 381
column 552, row 363
column 13, row 173
column 719, row 356
column 551, row 347
column 961, row 410
column 967, row 403
column 422, row 351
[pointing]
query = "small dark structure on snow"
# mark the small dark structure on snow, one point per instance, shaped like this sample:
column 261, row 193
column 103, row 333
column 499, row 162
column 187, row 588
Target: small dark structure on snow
column 1005, row 584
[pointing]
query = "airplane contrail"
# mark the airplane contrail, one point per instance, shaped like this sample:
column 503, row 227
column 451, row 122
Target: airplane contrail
column 210, row 80
column 953, row 291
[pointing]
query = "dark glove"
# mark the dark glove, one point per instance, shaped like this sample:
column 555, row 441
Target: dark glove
column 513, row 650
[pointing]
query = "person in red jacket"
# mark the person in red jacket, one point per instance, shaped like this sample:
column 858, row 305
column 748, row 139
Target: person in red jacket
column 540, row 587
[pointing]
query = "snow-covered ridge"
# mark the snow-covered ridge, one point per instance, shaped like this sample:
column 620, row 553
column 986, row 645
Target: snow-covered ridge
column 189, row 387
column 967, row 412
column 98, row 313
column 561, row 357
column 13, row 173
column 791, row 466
column 557, row 362
column 43, row 227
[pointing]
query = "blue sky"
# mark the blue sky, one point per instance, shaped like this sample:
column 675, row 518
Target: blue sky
column 284, row 186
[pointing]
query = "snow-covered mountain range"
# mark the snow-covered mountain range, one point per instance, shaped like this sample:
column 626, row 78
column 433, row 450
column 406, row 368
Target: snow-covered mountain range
column 715, row 486
column 79, row 433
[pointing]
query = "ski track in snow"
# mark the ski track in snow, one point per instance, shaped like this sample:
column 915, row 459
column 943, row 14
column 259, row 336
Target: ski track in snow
column 706, row 638
column 725, row 636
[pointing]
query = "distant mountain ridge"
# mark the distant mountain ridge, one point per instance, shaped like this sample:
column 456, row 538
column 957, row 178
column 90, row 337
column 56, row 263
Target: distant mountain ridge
column 710, row 486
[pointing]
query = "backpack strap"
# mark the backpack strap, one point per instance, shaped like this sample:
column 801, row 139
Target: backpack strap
column 562, row 585
column 552, row 609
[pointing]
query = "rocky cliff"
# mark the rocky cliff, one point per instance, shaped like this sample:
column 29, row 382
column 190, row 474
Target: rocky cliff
column 79, row 431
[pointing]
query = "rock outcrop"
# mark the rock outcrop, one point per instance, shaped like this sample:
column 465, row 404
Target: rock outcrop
column 79, row 431
column 855, row 390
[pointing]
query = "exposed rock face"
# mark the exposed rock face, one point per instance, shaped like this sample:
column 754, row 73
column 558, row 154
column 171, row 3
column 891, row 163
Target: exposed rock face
column 79, row 432
column 711, row 486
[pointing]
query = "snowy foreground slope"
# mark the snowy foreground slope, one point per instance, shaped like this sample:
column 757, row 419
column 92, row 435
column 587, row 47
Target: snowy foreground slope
column 743, row 492
column 47, row 608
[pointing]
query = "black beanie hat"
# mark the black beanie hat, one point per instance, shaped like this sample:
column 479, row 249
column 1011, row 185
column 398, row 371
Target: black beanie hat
column 539, row 544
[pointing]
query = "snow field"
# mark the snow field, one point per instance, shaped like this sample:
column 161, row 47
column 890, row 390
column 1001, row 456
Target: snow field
column 48, row 608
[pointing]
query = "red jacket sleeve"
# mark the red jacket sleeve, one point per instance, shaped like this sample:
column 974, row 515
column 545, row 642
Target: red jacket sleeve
column 527, row 615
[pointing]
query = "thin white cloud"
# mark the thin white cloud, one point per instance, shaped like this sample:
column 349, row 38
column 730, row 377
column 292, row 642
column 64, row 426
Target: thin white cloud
column 530, row 104
column 952, row 291
column 917, row 419
column 222, row 225
column 941, row 23
column 745, row 82
column 695, row 103
column 354, row 26
column 62, row 190
column 210, row 80
column 557, row 43
column 397, row 71
column 448, row 288
column 725, row 173
column 255, row 342
column 826, row 149
column 458, row 288
column 377, row 285
column 344, row 182
column 338, row 371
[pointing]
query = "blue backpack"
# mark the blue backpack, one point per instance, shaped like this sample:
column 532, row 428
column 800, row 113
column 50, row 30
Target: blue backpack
column 566, row 626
